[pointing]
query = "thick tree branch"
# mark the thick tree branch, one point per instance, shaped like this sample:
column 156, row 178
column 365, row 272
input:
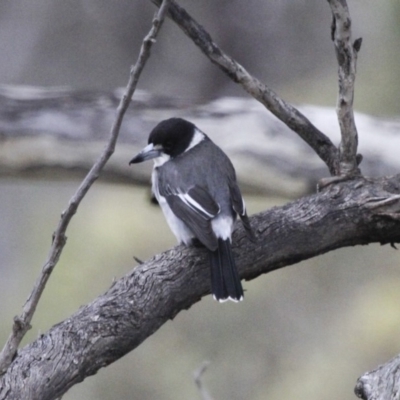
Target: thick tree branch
column 355, row 212
column 22, row 323
column 346, row 214
column 382, row 383
column 288, row 114
column 346, row 54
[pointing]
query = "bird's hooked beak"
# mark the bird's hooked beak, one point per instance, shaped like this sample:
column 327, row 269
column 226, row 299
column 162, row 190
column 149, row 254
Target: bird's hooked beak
column 149, row 152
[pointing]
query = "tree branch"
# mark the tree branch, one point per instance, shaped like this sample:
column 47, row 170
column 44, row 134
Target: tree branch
column 381, row 383
column 354, row 212
column 198, row 380
column 288, row 114
column 22, row 323
column 349, row 213
column 346, row 54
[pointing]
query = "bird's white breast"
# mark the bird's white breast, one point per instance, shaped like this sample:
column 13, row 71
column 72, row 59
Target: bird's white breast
column 182, row 233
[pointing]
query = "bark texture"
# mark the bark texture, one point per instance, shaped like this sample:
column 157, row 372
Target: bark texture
column 346, row 214
column 381, row 383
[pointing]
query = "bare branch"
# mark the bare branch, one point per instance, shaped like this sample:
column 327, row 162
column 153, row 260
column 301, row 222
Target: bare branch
column 198, row 376
column 142, row 301
column 380, row 384
column 346, row 54
column 22, row 323
column 288, row 114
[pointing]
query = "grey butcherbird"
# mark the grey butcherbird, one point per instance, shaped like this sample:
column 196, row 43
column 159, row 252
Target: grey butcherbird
column 195, row 184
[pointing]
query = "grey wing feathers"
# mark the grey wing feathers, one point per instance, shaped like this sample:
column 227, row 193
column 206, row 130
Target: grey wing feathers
column 205, row 202
column 196, row 208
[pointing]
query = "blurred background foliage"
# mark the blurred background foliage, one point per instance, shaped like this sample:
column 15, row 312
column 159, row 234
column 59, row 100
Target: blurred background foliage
column 304, row 332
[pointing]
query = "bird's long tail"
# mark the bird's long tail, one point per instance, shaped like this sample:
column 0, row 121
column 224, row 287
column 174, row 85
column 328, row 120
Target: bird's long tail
column 225, row 279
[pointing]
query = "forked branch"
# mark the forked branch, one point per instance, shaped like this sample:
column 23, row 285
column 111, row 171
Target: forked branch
column 284, row 111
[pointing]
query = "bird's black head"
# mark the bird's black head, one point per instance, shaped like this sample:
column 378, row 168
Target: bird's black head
column 169, row 139
column 173, row 135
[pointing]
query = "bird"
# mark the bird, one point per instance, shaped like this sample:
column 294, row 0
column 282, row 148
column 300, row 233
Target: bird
column 195, row 185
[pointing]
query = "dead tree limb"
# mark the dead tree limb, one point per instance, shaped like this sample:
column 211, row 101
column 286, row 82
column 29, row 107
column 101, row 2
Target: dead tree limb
column 346, row 54
column 284, row 111
column 358, row 211
column 346, row 214
column 380, row 384
column 198, row 380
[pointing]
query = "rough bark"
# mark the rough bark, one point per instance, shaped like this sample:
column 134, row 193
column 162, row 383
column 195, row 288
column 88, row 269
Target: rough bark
column 381, row 383
column 346, row 214
column 346, row 55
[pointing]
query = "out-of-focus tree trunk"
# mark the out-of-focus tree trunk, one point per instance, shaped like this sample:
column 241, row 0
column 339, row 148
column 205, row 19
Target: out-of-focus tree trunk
column 57, row 134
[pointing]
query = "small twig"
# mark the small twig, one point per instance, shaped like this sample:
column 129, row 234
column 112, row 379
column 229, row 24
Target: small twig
column 197, row 376
column 138, row 260
column 288, row 114
column 22, row 323
column 346, row 54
